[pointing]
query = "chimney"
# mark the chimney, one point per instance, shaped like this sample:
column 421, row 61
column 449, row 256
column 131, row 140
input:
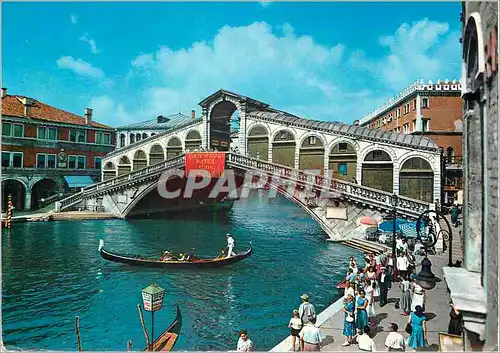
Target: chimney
column 88, row 116
column 356, row 123
column 193, row 114
column 28, row 102
column 4, row 92
column 160, row 119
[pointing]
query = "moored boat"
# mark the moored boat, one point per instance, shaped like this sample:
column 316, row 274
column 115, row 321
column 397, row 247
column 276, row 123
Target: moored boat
column 166, row 340
column 193, row 262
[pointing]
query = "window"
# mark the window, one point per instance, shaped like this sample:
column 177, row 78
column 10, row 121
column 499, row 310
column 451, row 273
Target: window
column 12, row 159
column 103, row 138
column 77, row 136
column 47, row 133
column 384, row 121
column 342, row 146
column 122, row 140
column 425, row 125
column 76, row 162
column 414, row 104
column 406, row 128
column 10, row 129
column 97, row 162
column 398, row 113
column 132, row 138
column 72, row 162
column 425, row 102
column 81, row 162
column 377, row 154
column 342, row 168
column 312, row 140
column 45, row 160
column 414, row 125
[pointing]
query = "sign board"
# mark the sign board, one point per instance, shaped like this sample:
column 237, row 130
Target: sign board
column 152, row 302
column 213, row 162
column 336, row 213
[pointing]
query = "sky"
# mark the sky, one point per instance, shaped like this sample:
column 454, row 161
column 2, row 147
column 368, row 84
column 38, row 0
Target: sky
column 134, row 61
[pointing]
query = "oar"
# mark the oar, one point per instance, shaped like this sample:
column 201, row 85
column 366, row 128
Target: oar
column 143, row 326
column 78, row 338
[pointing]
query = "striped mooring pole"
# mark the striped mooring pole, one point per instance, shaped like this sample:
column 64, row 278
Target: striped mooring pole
column 9, row 213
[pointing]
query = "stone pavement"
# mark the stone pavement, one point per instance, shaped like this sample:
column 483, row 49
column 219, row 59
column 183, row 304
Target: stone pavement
column 437, row 310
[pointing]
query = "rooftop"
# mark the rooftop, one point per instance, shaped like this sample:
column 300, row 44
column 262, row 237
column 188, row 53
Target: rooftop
column 13, row 106
column 160, row 123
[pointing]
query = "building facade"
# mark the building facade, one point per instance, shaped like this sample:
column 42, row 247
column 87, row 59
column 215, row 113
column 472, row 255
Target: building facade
column 433, row 110
column 474, row 288
column 47, row 151
column 132, row 133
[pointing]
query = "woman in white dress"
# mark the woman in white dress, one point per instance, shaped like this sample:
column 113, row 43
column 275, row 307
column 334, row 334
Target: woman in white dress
column 418, row 298
column 370, row 274
column 370, row 309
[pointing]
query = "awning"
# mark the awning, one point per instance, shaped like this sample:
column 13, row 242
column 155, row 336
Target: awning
column 388, row 226
column 78, row 181
column 409, row 229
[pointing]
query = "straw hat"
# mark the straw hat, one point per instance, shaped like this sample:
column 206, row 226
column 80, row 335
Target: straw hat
column 304, row 297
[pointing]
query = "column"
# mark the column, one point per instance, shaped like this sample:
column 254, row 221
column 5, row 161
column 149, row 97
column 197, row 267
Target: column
column 242, row 133
column 27, row 200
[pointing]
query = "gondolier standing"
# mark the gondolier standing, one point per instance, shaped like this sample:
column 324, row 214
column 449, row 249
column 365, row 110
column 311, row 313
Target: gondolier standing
column 230, row 246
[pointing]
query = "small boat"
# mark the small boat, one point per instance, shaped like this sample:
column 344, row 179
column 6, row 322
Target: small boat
column 193, row 262
column 342, row 284
column 166, row 341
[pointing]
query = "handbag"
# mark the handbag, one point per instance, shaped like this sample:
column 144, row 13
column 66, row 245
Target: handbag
column 349, row 318
column 408, row 328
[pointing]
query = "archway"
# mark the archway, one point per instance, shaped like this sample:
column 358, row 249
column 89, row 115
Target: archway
column 342, row 161
column 222, row 122
column 450, row 154
column 284, row 148
column 144, row 135
column 132, row 138
column 122, row 140
column 18, row 192
column 138, row 137
column 258, row 143
column 140, row 160
column 124, row 166
column 42, row 189
column 193, row 140
column 156, row 155
column 377, row 171
column 174, row 147
column 416, row 179
column 109, row 171
column 312, row 154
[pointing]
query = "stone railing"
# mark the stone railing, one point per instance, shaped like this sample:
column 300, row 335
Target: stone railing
column 339, row 188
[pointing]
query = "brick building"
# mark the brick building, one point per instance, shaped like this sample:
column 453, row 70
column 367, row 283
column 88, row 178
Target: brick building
column 474, row 287
column 47, row 151
column 433, row 110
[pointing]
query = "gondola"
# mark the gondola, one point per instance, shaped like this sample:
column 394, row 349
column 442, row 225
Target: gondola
column 193, row 262
column 166, row 341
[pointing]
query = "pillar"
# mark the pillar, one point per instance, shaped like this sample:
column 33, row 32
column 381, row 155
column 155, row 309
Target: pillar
column 27, row 200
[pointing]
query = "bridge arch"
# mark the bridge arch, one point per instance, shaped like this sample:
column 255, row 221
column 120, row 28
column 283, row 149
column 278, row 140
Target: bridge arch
column 283, row 148
column 140, row 160
column 174, row 147
column 192, row 140
column 377, row 169
column 312, row 152
column 124, row 165
column 258, row 141
column 343, row 159
column 223, row 115
column 416, row 178
column 144, row 135
column 42, row 188
column 17, row 188
column 109, row 171
column 156, row 154
column 123, row 140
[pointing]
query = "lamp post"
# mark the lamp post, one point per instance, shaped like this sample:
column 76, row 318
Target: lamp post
column 443, row 173
column 152, row 298
column 394, row 203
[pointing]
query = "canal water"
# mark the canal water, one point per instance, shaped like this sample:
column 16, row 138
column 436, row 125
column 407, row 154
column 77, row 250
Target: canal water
column 52, row 272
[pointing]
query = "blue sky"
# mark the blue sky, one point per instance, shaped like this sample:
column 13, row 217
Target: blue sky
column 134, row 61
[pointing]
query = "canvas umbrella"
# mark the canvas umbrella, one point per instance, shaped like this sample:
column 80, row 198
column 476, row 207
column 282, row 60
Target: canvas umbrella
column 369, row 221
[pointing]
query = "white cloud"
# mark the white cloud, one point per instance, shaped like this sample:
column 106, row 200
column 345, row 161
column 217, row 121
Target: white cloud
column 73, row 19
column 91, row 42
column 80, row 67
column 106, row 110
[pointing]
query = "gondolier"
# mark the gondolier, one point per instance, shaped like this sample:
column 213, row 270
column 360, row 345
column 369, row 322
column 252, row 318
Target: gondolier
column 230, row 246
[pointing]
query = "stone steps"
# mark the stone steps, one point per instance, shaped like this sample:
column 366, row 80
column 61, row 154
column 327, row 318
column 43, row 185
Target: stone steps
column 364, row 246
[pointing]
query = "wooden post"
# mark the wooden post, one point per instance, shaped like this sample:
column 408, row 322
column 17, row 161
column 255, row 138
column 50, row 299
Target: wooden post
column 9, row 212
column 78, row 338
column 129, row 346
column 143, row 326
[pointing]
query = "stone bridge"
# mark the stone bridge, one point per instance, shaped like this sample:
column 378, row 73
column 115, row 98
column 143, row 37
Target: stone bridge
column 335, row 204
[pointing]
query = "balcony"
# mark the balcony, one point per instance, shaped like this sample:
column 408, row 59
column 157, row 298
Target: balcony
column 453, row 163
column 48, row 172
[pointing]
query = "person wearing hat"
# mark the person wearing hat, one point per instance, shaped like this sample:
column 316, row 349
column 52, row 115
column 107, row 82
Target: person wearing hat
column 383, row 281
column 230, row 246
column 306, row 310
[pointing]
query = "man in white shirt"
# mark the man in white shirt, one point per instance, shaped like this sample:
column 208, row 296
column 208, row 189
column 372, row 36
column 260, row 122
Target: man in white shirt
column 394, row 340
column 402, row 264
column 244, row 343
column 230, row 246
column 365, row 342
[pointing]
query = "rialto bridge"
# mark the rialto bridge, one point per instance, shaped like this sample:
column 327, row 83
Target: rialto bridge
column 362, row 166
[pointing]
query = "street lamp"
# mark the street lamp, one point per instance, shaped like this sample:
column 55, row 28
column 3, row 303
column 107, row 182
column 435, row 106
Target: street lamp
column 152, row 298
column 394, row 203
column 425, row 277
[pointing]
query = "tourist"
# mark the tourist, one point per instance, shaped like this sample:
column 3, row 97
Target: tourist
column 405, row 302
column 411, row 262
column 402, row 265
column 306, row 310
column 365, row 342
column 394, row 340
column 348, row 310
column 370, row 309
column 370, row 274
column 295, row 325
column 244, row 343
column 349, row 290
column 455, row 326
column 454, row 214
column 230, row 245
column 310, row 337
column 383, row 282
column 399, row 243
column 404, row 246
column 418, row 298
column 361, row 314
column 390, row 269
column 418, row 336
